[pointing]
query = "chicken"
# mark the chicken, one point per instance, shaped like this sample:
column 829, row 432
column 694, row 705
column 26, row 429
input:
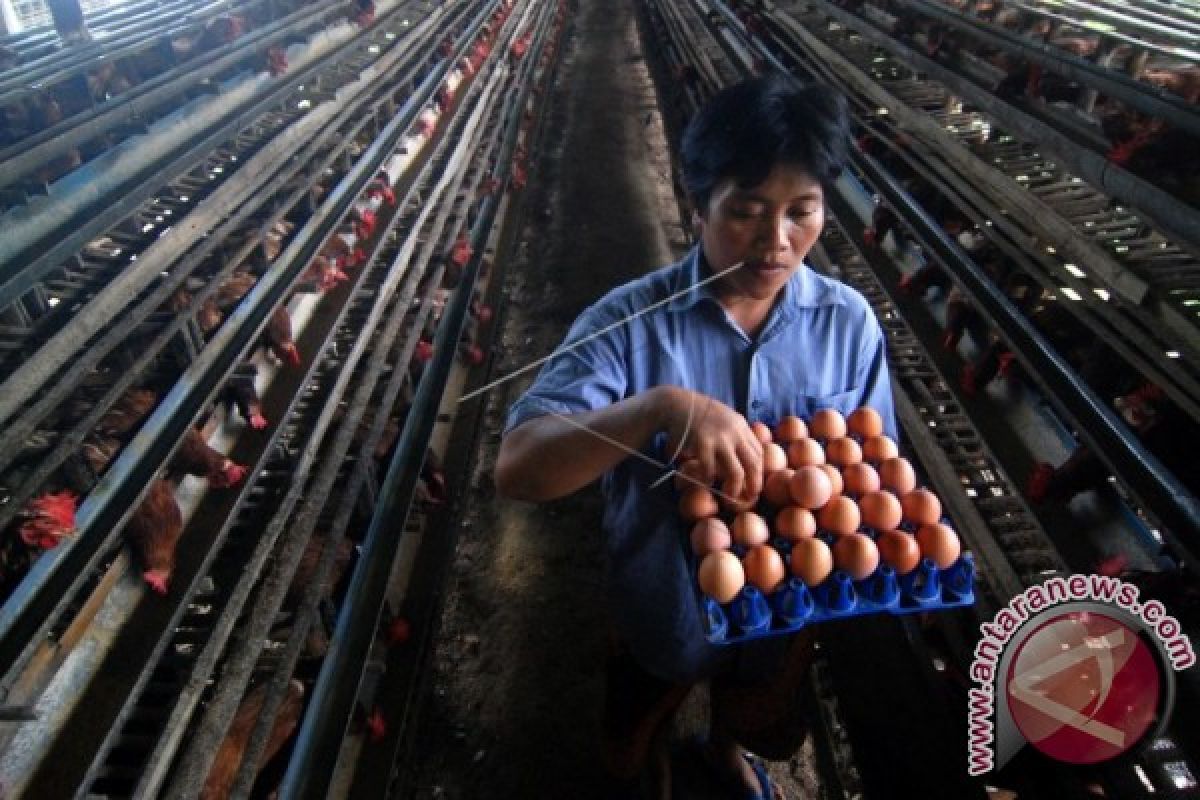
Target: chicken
column 47, row 519
column 154, row 530
column 234, row 289
column 195, row 457
column 273, row 241
column 98, row 451
column 279, row 337
column 240, row 393
column 306, row 570
column 229, row 757
column 325, row 273
column 126, row 414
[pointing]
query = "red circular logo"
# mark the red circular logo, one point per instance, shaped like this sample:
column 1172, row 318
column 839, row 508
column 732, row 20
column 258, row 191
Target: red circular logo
column 1083, row 687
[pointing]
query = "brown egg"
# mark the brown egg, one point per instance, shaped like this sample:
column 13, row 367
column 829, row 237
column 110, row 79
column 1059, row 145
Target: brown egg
column 856, row 555
column 790, row 429
column 710, row 535
column 774, row 457
column 811, row 561
column 880, row 510
column 878, row 449
column 897, row 474
column 840, row 515
column 805, row 453
column 689, row 469
column 835, row 478
column 794, row 522
column 761, row 431
column 921, row 507
column 721, row 576
column 939, row 543
column 843, row 452
column 899, row 550
column 865, row 422
column 827, row 424
column 696, row 503
column 860, row 479
column 764, row 568
column 750, row 530
column 810, row 487
column 776, row 487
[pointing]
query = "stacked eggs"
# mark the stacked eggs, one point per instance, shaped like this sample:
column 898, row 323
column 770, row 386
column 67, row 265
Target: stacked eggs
column 836, row 495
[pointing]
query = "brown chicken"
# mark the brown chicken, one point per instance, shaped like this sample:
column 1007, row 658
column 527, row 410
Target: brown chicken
column 126, row 414
column 234, row 289
column 229, row 757
column 154, row 530
column 306, row 570
column 279, row 337
column 98, row 451
column 195, row 457
column 241, row 394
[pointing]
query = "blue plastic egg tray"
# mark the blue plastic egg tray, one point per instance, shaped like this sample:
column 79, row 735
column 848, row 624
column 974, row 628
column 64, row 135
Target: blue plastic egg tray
column 792, row 606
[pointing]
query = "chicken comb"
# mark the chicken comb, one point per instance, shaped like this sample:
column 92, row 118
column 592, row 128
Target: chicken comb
column 59, row 506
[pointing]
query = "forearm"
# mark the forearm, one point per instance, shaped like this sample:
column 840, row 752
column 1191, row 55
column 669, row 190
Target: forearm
column 548, row 457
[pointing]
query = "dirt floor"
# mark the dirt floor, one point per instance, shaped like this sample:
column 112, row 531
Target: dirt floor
column 515, row 706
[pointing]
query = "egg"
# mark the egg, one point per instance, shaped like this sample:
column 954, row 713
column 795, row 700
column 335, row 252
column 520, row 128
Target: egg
column 878, row 449
column 794, row 523
column 860, row 479
column 749, row 529
column 710, row 535
column 776, row 488
column 897, row 474
column 880, row 510
column 761, row 431
column 840, row 515
column 790, row 429
column 865, row 422
column 774, row 457
column 899, row 550
column 921, row 507
column 835, row 478
column 856, row 555
column 805, row 453
column 827, row 423
column 843, row 452
column 689, row 474
column 810, row 487
column 939, row 543
column 764, row 568
column 811, row 561
column 696, row 503
column 721, row 576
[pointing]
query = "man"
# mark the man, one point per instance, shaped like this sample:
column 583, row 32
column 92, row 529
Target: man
column 673, row 364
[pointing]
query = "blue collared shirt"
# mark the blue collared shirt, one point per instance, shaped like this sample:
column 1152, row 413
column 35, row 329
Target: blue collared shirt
column 821, row 347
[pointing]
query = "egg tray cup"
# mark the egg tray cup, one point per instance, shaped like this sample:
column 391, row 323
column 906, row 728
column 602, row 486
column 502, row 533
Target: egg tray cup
column 793, row 605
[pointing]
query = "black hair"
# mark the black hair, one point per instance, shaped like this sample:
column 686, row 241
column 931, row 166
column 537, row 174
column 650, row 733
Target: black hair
column 746, row 129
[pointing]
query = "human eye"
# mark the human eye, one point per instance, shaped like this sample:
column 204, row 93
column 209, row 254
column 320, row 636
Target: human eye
column 799, row 212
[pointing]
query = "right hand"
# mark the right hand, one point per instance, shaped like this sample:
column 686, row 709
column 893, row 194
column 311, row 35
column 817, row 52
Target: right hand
column 717, row 437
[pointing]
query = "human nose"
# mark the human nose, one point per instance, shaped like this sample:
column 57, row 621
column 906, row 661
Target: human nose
column 776, row 230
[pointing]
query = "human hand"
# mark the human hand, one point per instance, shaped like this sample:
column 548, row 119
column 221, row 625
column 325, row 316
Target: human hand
column 716, row 439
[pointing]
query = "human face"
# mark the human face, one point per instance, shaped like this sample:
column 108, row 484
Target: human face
column 769, row 227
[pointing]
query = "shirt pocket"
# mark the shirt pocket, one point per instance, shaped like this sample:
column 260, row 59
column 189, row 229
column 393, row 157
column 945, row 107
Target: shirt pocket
column 845, row 402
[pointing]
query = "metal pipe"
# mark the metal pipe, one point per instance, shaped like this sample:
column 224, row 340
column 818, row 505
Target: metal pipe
column 1145, row 98
column 1175, row 217
column 322, row 731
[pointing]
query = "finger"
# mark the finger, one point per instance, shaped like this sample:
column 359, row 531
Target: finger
column 751, row 456
column 733, row 476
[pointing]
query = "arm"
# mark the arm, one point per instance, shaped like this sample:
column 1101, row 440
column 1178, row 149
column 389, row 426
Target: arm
column 547, row 457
